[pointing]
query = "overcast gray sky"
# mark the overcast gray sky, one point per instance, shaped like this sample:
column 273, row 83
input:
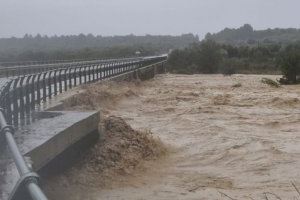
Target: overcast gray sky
column 120, row 17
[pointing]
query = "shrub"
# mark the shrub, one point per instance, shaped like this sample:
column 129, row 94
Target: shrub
column 204, row 57
column 289, row 62
column 270, row 82
column 237, row 85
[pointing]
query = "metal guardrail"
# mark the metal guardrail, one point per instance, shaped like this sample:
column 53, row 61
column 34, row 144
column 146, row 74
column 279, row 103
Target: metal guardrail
column 28, row 68
column 28, row 179
column 34, row 62
column 20, row 95
column 43, row 62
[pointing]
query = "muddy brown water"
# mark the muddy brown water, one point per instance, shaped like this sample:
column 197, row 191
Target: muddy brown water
column 226, row 141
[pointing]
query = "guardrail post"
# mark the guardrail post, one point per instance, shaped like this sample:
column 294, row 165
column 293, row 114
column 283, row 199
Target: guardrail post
column 89, row 73
column 27, row 96
column 49, row 84
column 33, row 88
column 85, row 74
column 111, row 69
column 94, row 72
column 80, row 75
column 75, row 76
column 102, row 71
column 60, row 80
column 8, row 107
column 15, row 102
column 38, row 89
column 70, row 77
column 21, row 97
column 65, row 79
column 105, row 70
column 119, row 68
column 55, row 82
column 44, row 87
column 97, row 71
column 114, row 69
column 108, row 69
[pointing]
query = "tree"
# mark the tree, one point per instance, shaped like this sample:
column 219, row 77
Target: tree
column 289, row 62
column 209, row 57
column 204, row 57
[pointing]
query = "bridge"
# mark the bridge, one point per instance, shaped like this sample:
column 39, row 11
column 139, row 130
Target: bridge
column 26, row 89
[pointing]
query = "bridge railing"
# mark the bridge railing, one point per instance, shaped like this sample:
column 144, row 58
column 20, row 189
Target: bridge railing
column 21, row 94
column 38, row 68
column 47, row 62
column 19, row 97
column 34, row 62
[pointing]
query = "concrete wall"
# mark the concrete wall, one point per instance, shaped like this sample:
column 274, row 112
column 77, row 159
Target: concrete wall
column 64, row 137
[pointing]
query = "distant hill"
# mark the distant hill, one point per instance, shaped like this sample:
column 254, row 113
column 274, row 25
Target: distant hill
column 245, row 35
column 79, row 46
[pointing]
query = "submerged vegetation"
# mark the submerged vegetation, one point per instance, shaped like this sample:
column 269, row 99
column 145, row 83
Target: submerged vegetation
column 270, row 82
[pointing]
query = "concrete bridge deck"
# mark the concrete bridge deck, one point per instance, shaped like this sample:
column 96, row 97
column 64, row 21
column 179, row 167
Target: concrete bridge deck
column 46, row 138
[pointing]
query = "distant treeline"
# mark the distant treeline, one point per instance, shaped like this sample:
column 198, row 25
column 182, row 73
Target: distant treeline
column 242, row 50
column 245, row 35
column 211, row 57
column 88, row 46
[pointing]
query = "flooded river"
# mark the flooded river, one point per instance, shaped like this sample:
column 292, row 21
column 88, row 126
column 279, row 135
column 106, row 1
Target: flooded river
column 230, row 137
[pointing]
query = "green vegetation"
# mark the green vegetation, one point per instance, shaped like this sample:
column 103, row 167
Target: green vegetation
column 270, row 82
column 264, row 51
column 210, row 57
column 289, row 62
column 204, row 57
column 242, row 50
column 245, row 35
column 88, row 46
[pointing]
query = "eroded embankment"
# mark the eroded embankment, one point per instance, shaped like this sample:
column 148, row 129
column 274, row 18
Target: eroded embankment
column 231, row 138
column 120, row 152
